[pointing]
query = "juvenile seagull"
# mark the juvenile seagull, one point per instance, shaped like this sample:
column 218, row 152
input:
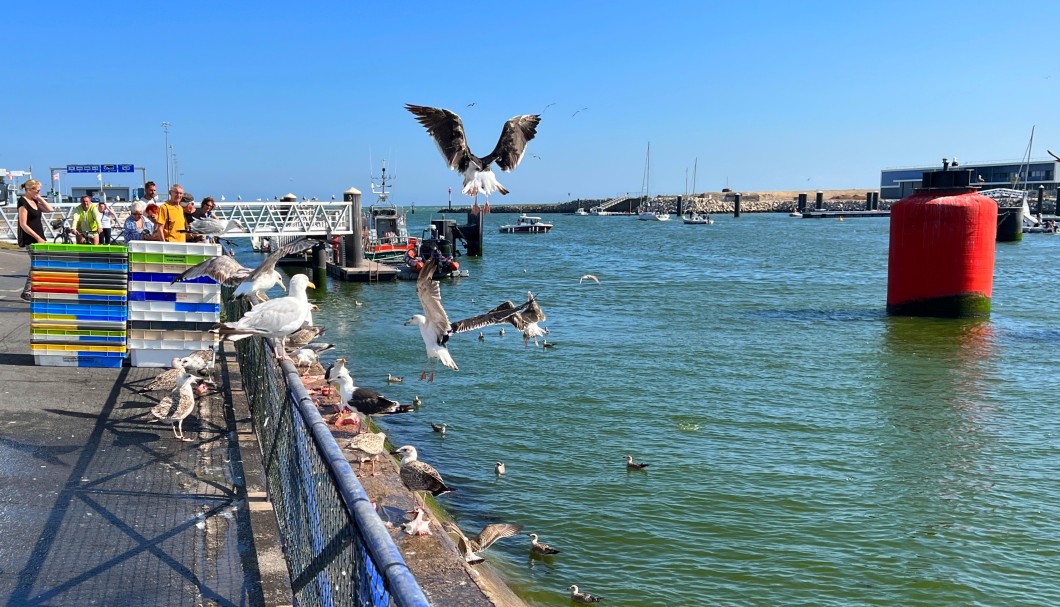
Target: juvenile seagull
column 390, row 379
column 365, row 400
column 439, row 428
column 202, row 361
column 588, row 277
column 583, row 597
column 274, row 318
column 632, row 465
column 485, row 538
column 178, row 404
column 420, row 476
column 166, row 380
column 447, row 130
column 248, row 282
column 304, row 357
column 539, row 548
column 433, row 323
column 369, row 445
column 304, row 336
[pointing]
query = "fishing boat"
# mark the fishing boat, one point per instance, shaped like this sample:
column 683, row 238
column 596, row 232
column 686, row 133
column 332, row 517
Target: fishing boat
column 527, row 224
column 385, row 236
column 581, row 211
column 697, row 219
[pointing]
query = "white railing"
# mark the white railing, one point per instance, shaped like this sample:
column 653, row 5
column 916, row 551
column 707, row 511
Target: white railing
column 258, row 218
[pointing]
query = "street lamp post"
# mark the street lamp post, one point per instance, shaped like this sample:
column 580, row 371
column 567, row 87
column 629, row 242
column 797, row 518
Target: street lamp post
column 165, row 127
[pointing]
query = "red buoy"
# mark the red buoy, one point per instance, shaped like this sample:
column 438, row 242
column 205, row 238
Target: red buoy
column 941, row 260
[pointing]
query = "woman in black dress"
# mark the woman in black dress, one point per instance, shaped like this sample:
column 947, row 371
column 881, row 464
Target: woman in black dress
column 31, row 206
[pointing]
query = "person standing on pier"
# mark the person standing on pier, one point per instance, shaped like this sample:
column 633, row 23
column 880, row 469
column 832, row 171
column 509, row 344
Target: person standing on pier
column 150, row 193
column 107, row 220
column 31, row 206
column 171, row 225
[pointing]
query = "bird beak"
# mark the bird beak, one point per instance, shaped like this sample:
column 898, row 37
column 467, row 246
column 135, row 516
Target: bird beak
column 407, row 322
column 283, row 286
column 395, row 453
column 312, row 285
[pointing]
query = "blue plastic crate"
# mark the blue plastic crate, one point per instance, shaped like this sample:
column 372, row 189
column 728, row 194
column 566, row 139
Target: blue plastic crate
column 98, row 361
column 77, row 265
column 77, row 308
column 168, row 277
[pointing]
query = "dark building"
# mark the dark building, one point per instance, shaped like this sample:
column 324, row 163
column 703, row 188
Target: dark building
column 899, row 183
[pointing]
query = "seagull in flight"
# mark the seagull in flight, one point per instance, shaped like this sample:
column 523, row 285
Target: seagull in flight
column 576, row 113
column 485, row 538
column 433, row 323
column 1053, row 155
column 447, row 130
column 248, row 283
column 588, row 277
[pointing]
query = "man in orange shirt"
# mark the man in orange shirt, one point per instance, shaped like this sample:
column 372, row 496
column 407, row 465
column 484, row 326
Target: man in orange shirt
column 170, row 224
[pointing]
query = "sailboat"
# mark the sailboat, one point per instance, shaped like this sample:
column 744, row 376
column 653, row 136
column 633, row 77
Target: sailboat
column 691, row 218
column 647, row 212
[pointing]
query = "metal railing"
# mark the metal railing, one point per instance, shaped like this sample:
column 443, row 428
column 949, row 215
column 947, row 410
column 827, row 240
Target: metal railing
column 337, row 549
column 293, row 219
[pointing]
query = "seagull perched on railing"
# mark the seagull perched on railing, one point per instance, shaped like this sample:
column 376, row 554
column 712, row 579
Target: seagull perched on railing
column 274, row 318
column 447, row 130
column 248, row 282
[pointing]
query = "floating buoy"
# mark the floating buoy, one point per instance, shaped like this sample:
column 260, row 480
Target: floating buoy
column 941, row 260
column 454, row 266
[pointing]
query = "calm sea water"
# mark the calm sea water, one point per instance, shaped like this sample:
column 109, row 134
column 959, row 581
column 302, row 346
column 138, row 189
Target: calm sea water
column 805, row 448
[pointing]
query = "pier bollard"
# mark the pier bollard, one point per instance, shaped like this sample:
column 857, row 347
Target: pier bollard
column 941, row 258
column 875, row 201
column 736, row 205
column 819, row 201
column 1010, row 224
column 680, row 207
column 802, row 202
column 352, row 243
column 1041, row 201
column 868, row 201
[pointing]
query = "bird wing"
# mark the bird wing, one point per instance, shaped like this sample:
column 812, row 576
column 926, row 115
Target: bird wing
column 496, row 316
column 430, row 294
column 1053, row 155
column 447, row 130
column 224, row 269
column 511, row 146
column 292, row 248
column 492, row 533
column 530, row 313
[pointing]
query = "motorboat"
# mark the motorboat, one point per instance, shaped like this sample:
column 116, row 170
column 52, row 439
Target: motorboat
column 653, row 216
column 527, row 224
column 697, row 219
column 385, row 236
column 581, row 211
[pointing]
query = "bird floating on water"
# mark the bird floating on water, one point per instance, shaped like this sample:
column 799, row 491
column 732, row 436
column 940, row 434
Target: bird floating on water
column 583, row 597
column 393, row 379
column 447, row 130
column 499, row 468
column 420, row 476
column 632, row 465
column 485, row 538
column 588, row 277
column 417, row 401
column 540, row 548
column 439, row 428
column 274, row 318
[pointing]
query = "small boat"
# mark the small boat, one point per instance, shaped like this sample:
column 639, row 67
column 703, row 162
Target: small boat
column 794, row 213
column 653, row 216
column 527, row 224
column 385, row 236
column 697, row 219
column 581, row 211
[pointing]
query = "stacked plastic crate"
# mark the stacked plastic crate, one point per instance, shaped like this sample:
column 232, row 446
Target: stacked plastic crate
column 78, row 312
column 167, row 319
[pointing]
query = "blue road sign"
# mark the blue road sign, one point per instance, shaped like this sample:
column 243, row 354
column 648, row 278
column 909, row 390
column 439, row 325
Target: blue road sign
column 109, row 168
column 125, row 168
column 100, row 168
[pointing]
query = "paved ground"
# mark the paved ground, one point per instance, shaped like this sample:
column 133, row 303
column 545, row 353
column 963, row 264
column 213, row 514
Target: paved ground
column 100, row 507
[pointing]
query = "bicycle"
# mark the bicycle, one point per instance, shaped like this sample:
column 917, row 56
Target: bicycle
column 65, row 234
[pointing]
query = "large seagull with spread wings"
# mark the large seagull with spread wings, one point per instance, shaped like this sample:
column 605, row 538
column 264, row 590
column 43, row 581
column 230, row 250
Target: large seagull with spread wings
column 447, row 130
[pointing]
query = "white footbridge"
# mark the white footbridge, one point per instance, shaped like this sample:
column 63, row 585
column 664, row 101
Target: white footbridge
column 260, row 219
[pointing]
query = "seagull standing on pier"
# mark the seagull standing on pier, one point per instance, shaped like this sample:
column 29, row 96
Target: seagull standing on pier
column 420, row 476
column 447, row 130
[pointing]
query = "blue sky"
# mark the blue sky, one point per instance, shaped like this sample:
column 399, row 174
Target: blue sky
column 266, row 98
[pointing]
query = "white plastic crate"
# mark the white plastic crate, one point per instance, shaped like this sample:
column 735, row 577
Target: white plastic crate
column 170, row 344
column 175, row 248
column 159, row 334
column 188, row 288
column 158, row 357
column 170, row 316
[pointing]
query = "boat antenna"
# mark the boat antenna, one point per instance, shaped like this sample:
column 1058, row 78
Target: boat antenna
column 383, row 180
column 1026, row 160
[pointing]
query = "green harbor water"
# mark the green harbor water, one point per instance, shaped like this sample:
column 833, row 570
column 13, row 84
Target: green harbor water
column 805, row 448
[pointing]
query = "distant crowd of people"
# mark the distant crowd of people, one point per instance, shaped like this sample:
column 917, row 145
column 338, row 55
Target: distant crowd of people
column 95, row 223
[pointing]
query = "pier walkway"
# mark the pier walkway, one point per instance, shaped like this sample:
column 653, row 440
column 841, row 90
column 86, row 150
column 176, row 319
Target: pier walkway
column 98, row 506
